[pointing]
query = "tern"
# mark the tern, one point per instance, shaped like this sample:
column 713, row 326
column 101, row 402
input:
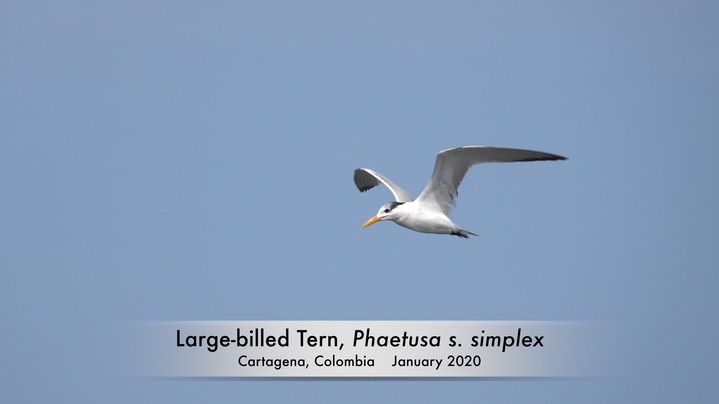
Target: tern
column 430, row 212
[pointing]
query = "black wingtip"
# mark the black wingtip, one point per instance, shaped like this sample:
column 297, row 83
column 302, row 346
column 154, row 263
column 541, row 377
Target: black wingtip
column 361, row 180
column 546, row 157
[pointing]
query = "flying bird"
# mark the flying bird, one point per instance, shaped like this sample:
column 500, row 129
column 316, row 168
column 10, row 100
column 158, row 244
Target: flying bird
column 430, row 212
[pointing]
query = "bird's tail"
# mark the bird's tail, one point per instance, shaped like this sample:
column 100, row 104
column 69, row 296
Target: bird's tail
column 463, row 233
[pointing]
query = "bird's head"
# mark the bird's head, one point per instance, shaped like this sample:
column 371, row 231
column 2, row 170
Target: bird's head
column 386, row 212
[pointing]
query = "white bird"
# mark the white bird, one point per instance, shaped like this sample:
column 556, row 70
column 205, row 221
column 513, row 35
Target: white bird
column 430, row 212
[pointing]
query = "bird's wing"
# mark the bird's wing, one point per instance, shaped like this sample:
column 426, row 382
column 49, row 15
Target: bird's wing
column 440, row 192
column 367, row 179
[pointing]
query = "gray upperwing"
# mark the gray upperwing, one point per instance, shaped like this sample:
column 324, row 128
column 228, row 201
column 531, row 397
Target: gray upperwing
column 452, row 164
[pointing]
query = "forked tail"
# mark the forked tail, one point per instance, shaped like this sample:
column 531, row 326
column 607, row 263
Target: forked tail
column 463, row 233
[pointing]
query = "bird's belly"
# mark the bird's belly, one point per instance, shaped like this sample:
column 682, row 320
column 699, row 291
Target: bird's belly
column 429, row 223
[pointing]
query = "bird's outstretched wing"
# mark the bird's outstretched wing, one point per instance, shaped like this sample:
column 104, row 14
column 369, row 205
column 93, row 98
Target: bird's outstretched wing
column 440, row 192
column 366, row 179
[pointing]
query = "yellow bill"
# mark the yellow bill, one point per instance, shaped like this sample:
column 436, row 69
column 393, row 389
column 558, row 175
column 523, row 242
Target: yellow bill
column 371, row 220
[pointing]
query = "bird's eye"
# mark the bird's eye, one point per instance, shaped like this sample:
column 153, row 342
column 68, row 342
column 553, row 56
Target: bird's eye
column 386, row 211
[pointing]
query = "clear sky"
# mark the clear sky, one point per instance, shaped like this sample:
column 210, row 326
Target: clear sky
column 171, row 160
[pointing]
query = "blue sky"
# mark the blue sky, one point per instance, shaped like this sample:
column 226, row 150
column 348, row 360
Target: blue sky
column 193, row 161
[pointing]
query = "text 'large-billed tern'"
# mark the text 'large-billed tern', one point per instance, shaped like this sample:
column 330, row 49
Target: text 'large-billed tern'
column 430, row 212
